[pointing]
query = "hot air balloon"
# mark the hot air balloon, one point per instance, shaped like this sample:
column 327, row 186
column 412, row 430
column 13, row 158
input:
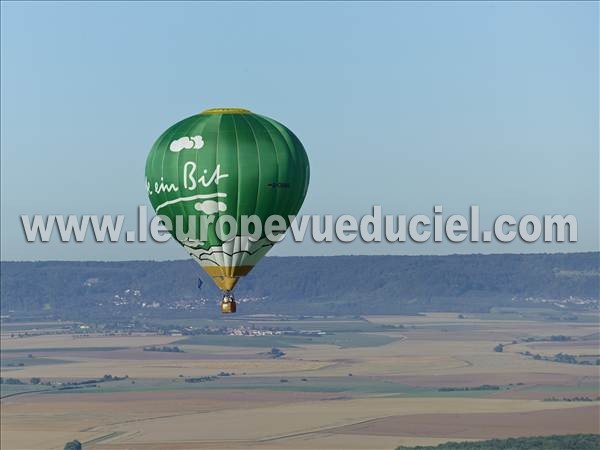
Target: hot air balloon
column 226, row 161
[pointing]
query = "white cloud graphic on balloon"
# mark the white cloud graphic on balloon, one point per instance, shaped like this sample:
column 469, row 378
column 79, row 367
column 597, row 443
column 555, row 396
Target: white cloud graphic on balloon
column 210, row 207
column 187, row 143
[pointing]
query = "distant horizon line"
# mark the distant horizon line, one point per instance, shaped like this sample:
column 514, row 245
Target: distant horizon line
column 305, row 256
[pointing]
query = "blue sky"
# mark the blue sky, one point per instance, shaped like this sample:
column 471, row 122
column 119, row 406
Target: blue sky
column 403, row 105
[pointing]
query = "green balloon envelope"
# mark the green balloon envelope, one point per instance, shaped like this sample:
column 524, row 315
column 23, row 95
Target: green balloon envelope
column 226, row 162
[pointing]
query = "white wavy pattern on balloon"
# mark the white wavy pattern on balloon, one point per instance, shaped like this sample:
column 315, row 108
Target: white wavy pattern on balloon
column 240, row 251
column 220, row 206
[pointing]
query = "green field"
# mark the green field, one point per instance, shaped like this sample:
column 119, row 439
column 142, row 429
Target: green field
column 16, row 327
column 351, row 385
column 60, row 349
column 11, row 389
column 25, row 361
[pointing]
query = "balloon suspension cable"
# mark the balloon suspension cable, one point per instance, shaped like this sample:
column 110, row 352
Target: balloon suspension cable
column 228, row 305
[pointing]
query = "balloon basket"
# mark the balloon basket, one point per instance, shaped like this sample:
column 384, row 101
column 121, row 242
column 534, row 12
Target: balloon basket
column 228, row 305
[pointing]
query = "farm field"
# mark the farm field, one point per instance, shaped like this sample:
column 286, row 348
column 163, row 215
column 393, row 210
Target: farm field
column 365, row 383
